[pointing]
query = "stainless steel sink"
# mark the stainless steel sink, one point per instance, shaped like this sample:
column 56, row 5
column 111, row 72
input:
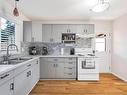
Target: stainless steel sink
column 15, row 61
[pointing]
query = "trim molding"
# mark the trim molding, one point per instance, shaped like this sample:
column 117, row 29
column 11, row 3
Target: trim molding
column 122, row 78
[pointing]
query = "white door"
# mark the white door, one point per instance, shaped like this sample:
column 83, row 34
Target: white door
column 5, row 89
column 103, row 49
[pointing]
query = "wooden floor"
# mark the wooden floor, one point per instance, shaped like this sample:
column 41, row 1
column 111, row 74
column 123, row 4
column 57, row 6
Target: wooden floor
column 108, row 85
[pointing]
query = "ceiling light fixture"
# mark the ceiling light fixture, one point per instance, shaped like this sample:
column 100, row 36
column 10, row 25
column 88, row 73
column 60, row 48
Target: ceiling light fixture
column 15, row 11
column 101, row 6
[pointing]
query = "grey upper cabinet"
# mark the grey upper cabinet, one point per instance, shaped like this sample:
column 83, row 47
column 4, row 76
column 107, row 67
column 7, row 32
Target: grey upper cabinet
column 27, row 31
column 72, row 28
column 32, row 31
column 57, row 32
column 47, row 33
column 36, row 32
column 85, row 29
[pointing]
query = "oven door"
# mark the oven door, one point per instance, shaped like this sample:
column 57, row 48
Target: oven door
column 87, row 65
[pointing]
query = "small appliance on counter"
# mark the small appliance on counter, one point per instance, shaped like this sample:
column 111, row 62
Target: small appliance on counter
column 44, row 51
column 72, row 51
column 32, row 50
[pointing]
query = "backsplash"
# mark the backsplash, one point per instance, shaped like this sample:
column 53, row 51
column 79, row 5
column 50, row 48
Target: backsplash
column 53, row 48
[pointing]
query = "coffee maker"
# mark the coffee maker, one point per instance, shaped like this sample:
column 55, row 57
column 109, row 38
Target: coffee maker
column 44, row 51
column 32, row 50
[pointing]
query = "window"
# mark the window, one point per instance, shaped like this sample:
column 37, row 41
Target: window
column 7, row 34
column 100, row 44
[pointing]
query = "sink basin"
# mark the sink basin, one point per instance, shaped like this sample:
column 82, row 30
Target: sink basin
column 15, row 61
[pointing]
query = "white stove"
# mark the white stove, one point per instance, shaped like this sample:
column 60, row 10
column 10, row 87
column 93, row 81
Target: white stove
column 88, row 69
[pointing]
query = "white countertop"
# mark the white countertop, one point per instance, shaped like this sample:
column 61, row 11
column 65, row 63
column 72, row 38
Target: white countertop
column 7, row 68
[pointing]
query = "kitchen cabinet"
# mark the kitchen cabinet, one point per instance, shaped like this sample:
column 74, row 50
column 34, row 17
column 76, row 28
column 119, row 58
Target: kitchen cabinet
column 27, row 78
column 47, row 33
column 36, row 31
column 22, row 83
column 27, row 31
column 35, row 72
column 85, row 29
column 56, row 68
column 32, row 31
column 58, row 29
column 7, row 88
column 47, row 69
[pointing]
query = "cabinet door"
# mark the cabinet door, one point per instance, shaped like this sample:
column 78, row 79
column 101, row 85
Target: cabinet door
column 27, row 31
column 37, row 31
column 47, row 69
column 6, row 88
column 35, row 73
column 57, row 32
column 59, row 70
column 22, row 83
column 89, row 29
column 47, row 33
column 80, row 29
column 72, row 28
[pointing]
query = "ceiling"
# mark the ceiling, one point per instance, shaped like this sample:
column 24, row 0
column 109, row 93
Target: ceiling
column 70, row 9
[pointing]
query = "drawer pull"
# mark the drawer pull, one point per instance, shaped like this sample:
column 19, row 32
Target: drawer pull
column 12, row 86
column 70, row 62
column 4, row 76
column 69, row 73
column 29, row 65
column 70, row 68
column 37, row 62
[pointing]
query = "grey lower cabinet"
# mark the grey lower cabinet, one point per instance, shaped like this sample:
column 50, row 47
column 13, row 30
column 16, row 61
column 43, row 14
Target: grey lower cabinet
column 58, row 68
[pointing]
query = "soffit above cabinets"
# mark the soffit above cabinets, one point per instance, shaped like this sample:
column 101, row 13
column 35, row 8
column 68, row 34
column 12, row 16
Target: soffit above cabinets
column 70, row 9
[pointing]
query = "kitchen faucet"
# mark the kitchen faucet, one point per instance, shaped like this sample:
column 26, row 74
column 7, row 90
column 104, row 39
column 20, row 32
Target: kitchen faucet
column 6, row 58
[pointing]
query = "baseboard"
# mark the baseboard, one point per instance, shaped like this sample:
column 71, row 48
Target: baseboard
column 119, row 77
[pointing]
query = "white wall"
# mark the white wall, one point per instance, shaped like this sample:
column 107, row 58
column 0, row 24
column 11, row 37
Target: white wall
column 6, row 9
column 119, row 54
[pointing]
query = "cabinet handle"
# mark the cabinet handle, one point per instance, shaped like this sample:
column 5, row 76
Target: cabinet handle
column 70, row 62
column 4, row 76
column 70, row 68
column 29, row 65
column 69, row 73
column 67, row 30
column 54, row 65
column 12, row 86
column 37, row 62
column 27, row 74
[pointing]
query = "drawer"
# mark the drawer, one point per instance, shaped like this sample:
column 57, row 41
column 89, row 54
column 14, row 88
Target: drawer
column 70, row 64
column 22, row 68
column 70, row 59
column 69, row 69
column 52, row 60
column 70, row 75
column 6, row 76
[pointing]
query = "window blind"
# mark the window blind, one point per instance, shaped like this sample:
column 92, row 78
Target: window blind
column 7, row 34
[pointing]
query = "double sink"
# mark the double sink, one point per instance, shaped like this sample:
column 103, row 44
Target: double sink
column 15, row 61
